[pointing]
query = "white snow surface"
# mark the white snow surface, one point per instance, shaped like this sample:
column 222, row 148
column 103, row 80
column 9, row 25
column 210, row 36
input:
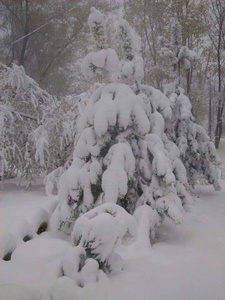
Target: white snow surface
column 185, row 261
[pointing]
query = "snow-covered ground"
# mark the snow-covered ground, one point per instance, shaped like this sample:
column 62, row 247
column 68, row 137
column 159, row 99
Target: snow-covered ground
column 185, row 262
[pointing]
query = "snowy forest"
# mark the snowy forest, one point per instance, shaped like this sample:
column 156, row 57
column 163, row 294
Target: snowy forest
column 112, row 149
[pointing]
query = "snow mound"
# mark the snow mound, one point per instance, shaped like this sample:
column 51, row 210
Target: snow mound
column 15, row 292
column 7, row 243
column 49, row 249
column 22, row 230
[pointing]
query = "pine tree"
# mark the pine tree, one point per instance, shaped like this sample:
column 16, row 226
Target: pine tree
column 123, row 164
column 197, row 153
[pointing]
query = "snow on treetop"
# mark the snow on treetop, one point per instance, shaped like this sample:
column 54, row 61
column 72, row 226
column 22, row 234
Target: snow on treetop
column 95, row 17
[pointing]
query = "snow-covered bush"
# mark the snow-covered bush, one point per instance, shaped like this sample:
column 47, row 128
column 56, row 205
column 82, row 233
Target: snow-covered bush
column 22, row 103
column 96, row 235
column 37, row 131
column 60, row 124
column 53, row 140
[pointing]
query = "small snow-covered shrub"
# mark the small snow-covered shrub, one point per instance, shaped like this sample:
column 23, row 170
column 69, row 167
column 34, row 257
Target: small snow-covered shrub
column 96, row 235
column 101, row 230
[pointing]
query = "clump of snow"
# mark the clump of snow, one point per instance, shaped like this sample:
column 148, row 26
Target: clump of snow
column 39, row 217
column 98, row 62
column 133, row 69
column 95, row 17
column 40, row 137
column 51, row 181
column 120, row 164
column 7, row 243
column 81, row 269
column 147, row 220
column 114, row 100
column 22, row 229
column 158, row 101
column 161, row 164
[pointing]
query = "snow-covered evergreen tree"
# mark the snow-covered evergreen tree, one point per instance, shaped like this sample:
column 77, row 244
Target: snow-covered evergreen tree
column 124, row 161
column 122, row 155
column 198, row 154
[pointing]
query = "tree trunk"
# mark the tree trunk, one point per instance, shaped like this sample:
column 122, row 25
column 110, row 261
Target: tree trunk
column 218, row 126
column 210, row 107
column 218, row 131
column 188, row 77
column 25, row 40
